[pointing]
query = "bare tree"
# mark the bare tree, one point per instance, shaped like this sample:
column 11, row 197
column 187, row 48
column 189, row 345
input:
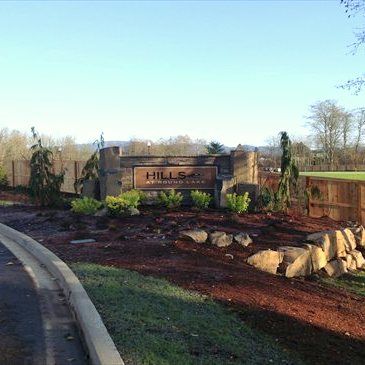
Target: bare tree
column 14, row 145
column 273, row 150
column 326, row 123
column 353, row 8
column 359, row 121
column 346, row 122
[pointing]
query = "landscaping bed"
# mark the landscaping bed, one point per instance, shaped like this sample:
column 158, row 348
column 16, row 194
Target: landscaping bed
column 309, row 319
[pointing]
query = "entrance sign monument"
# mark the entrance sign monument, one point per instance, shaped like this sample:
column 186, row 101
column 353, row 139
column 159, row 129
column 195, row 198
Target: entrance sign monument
column 175, row 177
column 218, row 175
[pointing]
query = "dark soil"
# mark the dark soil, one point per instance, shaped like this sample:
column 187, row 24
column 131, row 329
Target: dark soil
column 323, row 325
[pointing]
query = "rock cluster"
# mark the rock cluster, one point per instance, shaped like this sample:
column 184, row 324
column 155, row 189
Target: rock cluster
column 217, row 238
column 331, row 251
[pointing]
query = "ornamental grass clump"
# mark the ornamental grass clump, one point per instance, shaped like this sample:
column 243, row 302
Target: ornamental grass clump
column 125, row 204
column 201, row 200
column 171, row 199
column 238, row 203
column 85, row 205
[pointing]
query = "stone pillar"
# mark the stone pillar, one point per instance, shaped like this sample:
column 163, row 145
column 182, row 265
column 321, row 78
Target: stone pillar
column 244, row 169
column 244, row 166
column 225, row 184
column 110, row 172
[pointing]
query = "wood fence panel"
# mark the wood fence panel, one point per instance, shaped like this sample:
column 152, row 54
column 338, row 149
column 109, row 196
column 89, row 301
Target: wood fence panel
column 340, row 199
column 9, row 170
column 18, row 172
column 361, row 202
column 69, row 179
column 21, row 173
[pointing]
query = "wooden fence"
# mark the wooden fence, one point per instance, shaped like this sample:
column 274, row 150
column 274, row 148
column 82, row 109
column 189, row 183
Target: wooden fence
column 341, row 199
column 18, row 173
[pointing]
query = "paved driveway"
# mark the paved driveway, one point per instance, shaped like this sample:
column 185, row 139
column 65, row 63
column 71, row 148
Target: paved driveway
column 36, row 327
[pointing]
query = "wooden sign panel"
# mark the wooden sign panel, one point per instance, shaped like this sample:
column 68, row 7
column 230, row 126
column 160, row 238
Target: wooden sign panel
column 175, row 177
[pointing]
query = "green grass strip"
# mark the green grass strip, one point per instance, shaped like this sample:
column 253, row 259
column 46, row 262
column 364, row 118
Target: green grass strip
column 153, row 322
column 353, row 282
column 337, row 175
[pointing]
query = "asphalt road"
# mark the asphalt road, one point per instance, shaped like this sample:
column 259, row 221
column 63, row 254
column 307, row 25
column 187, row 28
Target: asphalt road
column 36, row 327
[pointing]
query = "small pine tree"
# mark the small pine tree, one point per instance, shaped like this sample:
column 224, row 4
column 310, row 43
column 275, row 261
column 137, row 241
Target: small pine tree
column 91, row 169
column 44, row 184
column 215, row 148
column 289, row 174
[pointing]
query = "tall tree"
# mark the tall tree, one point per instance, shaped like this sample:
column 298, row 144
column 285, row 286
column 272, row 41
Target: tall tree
column 326, row 122
column 353, row 8
column 346, row 124
column 359, row 121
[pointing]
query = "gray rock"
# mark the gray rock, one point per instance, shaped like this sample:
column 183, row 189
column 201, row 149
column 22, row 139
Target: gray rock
column 296, row 261
column 336, row 268
column 318, row 257
column 358, row 258
column 243, row 239
column 315, row 237
column 329, row 245
column 133, row 211
column 266, row 260
column 350, row 263
column 359, row 233
column 220, row 239
column 101, row 213
column 195, row 235
column 349, row 239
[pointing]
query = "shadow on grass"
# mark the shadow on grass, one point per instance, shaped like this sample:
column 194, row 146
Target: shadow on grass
column 312, row 344
column 154, row 322
column 354, row 282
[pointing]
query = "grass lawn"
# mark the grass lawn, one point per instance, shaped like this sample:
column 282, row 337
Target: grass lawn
column 350, row 175
column 153, row 322
column 351, row 282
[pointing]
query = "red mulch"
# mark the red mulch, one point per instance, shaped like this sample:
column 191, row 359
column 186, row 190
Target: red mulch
column 324, row 325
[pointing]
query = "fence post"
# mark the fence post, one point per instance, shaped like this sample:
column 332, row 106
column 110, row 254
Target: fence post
column 307, row 183
column 13, row 172
column 359, row 203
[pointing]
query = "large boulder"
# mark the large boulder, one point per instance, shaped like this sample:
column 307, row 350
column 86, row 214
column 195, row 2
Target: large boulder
column 195, row 235
column 336, row 268
column 341, row 243
column 358, row 258
column 359, row 234
column 266, row 260
column 315, row 237
column 318, row 257
column 332, row 243
column 296, row 261
column 220, row 239
column 349, row 239
column 350, row 262
column 243, row 239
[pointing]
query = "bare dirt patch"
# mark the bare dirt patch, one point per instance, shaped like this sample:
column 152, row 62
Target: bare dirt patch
column 322, row 324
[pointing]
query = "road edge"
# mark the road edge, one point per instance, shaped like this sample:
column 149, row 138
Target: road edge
column 101, row 348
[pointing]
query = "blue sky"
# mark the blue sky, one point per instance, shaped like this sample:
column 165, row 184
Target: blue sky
column 236, row 72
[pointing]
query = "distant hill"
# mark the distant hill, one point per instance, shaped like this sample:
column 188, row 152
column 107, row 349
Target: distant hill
column 116, row 143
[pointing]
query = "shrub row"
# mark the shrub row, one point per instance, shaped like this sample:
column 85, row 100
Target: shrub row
column 128, row 202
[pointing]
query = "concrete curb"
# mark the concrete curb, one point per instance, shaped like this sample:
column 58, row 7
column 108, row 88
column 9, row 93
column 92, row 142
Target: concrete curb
column 102, row 350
